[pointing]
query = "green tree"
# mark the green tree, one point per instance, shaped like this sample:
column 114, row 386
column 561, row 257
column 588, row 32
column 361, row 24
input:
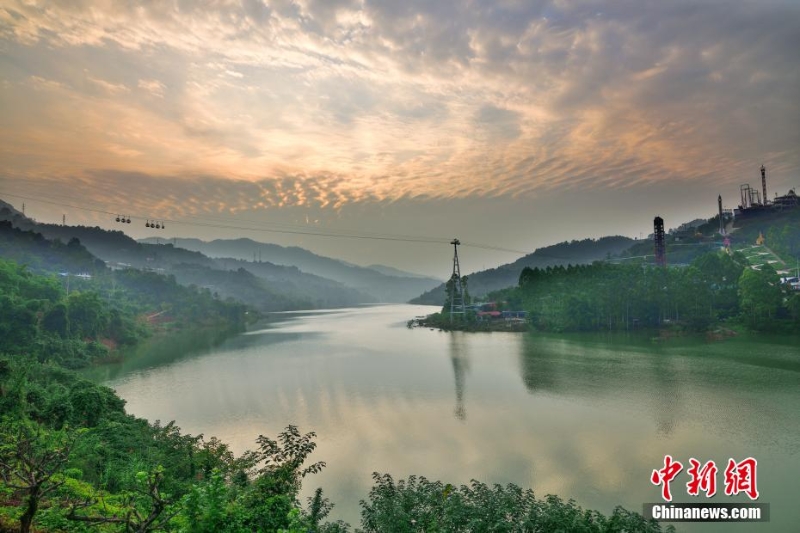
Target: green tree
column 144, row 509
column 279, row 469
column 56, row 320
column 87, row 314
column 31, row 462
column 760, row 294
column 419, row 505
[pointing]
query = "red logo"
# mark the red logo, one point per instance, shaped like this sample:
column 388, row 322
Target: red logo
column 739, row 477
column 665, row 475
column 704, row 478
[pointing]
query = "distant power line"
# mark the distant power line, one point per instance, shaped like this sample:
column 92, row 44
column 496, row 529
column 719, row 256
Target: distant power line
column 260, row 227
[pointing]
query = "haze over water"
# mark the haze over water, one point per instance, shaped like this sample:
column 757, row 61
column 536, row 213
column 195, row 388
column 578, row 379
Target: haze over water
column 583, row 417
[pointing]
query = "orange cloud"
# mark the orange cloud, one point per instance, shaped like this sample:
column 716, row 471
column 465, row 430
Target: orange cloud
column 376, row 101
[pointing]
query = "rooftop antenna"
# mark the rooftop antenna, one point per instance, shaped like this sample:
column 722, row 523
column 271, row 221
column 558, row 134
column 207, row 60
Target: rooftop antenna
column 457, row 295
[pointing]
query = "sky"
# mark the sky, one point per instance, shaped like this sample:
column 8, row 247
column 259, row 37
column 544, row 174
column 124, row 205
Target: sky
column 512, row 124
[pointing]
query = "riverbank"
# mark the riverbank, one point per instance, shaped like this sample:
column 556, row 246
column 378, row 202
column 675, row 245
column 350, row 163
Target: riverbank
column 160, row 349
column 442, row 322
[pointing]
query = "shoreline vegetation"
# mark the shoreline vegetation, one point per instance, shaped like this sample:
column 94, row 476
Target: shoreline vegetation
column 73, row 460
column 442, row 322
column 718, row 294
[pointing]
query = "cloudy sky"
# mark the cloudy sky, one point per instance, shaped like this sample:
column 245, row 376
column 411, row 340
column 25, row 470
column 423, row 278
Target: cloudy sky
column 509, row 123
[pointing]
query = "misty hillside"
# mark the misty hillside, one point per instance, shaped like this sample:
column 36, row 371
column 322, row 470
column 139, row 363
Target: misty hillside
column 391, row 271
column 40, row 254
column 266, row 286
column 384, row 287
column 564, row 253
column 276, row 295
column 8, row 210
column 313, row 292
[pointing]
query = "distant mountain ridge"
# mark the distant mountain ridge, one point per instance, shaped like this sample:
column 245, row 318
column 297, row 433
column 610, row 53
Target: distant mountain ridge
column 391, row 285
column 564, row 253
column 11, row 211
column 396, row 272
column 264, row 286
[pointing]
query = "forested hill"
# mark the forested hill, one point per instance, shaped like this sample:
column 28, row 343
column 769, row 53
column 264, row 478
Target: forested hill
column 264, row 286
column 565, row 253
column 45, row 255
column 385, row 286
column 73, row 321
column 780, row 229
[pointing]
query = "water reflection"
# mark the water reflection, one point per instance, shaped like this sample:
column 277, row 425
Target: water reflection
column 586, row 417
column 680, row 380
column 166, row 350
column 459, row 357
column 665, row 394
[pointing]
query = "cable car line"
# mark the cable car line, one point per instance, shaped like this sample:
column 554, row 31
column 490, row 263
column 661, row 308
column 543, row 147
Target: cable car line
column 366, row 236
column 343, row 232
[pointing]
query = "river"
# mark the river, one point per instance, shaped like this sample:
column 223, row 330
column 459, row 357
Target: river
column 582, row 416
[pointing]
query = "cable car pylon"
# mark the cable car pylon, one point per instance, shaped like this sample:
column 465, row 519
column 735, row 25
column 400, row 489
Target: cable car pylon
column 457, row 306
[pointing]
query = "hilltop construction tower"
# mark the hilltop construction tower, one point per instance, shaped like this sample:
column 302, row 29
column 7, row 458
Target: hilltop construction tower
column 659, row 242
column 764, row 184
column 721, row 221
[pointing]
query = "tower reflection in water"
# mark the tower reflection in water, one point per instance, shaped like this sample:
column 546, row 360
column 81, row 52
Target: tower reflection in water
column 459, row 357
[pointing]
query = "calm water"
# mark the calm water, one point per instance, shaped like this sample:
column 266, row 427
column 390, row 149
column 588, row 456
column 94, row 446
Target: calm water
column 584, row 417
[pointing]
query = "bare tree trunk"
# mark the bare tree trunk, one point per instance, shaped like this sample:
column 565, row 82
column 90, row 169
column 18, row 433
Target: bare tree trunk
column 26, row 519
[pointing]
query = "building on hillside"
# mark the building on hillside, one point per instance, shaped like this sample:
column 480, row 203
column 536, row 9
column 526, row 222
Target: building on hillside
column 787, row 201
column 754, row 202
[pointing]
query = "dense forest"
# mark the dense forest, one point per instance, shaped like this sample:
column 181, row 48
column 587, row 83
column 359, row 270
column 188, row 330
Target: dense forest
column 573, row 252
column 717, row 288
column 75, row 321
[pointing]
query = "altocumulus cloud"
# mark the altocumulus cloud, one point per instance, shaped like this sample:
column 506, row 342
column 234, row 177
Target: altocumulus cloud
column 325, row 103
